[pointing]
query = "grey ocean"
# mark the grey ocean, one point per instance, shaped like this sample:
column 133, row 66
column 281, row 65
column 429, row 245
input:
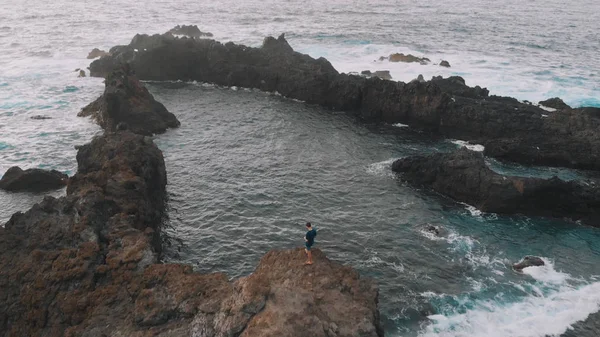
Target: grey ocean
column 247, row 168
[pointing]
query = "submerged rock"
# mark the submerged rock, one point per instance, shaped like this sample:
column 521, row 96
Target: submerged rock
column 191, row 31
column 40, row 117
column 509, row 129
column 32, row 180
column 126, row 100
column 464, row 176
column 445, row 64
column 555, row 103
column 528, row 261
column 87, row 264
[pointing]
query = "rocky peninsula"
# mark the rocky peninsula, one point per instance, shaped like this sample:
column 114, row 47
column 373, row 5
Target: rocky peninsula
column 464, row 176
column 88, row 263
column 509, row 129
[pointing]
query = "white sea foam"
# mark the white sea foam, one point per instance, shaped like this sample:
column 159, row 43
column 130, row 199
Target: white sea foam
column 382, row 168
column 473, row 210
column 400, row 125
column 549, row 109
column 472, row 147
column 546, row 273
column 533, row 316
column 551, row 307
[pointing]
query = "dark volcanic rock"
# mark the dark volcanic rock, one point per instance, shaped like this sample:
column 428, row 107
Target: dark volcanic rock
column 95, row 53
column 445, row 64
column 455, row 85
column 126, row 100
column 555, row 103
column 464, row 176
column 32, row 180
column 191, row 31
column 383, row 74
column 276, row 67
column 87, row 265
column 509, row 129
column 528, row 261
column 588, row 327
column 40, row 117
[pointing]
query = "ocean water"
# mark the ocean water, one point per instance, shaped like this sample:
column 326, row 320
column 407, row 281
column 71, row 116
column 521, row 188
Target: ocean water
column 246, row 168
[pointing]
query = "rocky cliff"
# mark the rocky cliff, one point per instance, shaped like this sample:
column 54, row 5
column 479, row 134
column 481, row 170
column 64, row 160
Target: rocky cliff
column 88, row 264
column 464, row 176
column 509, row 129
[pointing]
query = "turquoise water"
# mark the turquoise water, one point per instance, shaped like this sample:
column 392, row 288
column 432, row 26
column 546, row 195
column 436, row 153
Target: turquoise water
column 246, row 168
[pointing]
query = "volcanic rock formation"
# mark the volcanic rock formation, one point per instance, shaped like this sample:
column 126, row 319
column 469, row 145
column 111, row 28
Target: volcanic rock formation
column 32, row 180
column 509, row 129
column 126, row 100
column 464, row 176
column 87, row 264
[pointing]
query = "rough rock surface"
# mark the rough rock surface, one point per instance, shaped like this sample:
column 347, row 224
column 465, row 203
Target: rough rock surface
column 555, row 103
column 192, row 31
column 95, row 53
column 126, row 100
column 509, row 129
column 399, row 57
column 464, row 176
column 528, row 261
column 445, row 64
column 33, row 180
column 87, row 265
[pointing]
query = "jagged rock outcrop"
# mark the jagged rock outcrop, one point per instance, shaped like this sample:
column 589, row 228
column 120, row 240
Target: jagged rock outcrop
column 399, row 57
column 192, row 31
column 464, row 176
column 87, row 264
column 509, row 129
column 555, row 103
column 95, row 53
column 127, row 101
column 32, row 180
column 528, row 261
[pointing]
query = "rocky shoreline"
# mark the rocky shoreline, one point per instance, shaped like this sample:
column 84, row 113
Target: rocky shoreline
column 88, row 263
column 509, row 129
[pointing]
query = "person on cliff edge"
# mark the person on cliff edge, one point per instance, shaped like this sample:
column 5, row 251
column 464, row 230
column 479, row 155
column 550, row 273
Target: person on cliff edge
column 309, row 241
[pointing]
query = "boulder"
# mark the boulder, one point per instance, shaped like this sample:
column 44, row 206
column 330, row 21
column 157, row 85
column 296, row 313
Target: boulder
column 509, row 129
column 399, row 57
column 81, row 73
column 126, row 100
column 191, row 31
column 95, row 53
column 445, row 64
column 464, row 176
column 555, row 103
column 87, row 264
column 528, row 261
column 433, row 229
column 32, row 180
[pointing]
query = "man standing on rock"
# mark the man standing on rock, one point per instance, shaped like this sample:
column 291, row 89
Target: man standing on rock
column 309, row 240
